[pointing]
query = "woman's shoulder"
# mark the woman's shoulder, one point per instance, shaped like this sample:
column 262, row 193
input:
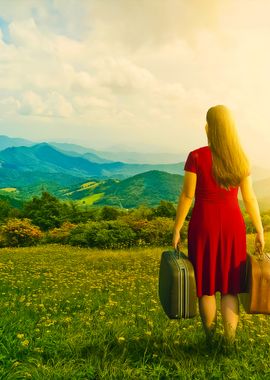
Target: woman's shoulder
column 199, row 150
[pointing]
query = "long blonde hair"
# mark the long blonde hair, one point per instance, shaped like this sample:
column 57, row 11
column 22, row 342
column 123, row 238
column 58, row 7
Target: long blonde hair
column 230, row 163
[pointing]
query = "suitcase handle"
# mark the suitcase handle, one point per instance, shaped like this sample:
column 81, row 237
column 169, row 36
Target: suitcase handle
column 259, row 251
column 260, row 256
column 180, row 253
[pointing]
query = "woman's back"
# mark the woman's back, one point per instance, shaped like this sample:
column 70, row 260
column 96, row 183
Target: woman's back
column 216, row 231
column 199, row 161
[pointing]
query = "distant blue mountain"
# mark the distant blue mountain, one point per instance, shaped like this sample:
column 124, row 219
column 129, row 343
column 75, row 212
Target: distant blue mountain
column 97, row 155
column 77, row 150
column 6, row 142
column 42, row 159
column 30, row 167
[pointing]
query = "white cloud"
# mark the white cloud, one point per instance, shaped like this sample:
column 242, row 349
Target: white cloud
column 136, row 70
column 9, row 106
column 53, row 104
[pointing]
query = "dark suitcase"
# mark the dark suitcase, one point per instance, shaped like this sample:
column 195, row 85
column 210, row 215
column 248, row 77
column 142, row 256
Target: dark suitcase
column 177, row 285
column 256, row 298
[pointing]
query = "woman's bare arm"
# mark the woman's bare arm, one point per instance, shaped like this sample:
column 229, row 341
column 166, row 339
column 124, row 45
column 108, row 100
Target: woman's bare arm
column 251, row 203
column 185, row 199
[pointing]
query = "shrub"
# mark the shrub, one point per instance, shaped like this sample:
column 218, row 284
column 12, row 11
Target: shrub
column 103, row 234
column 248, row 222
column 84, row 233
column 157, row 232
column 166, row 209
column 120, row 235
column 109, row 213
column 60, row 235
column 266, row 222
column 5, row 209
column 20, row 233
column 123, row 233
column 142, row 212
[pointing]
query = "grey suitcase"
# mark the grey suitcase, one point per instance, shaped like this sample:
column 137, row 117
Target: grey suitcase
column 177, row 285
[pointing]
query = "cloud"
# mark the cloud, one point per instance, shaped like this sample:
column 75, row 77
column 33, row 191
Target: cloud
column 151, row 23
column 136, row 71
column 53, row 104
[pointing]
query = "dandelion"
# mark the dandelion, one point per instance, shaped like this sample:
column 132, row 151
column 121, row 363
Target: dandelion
column 20, row 336
column 15, row 364
column 38, row 349
column 25, row 343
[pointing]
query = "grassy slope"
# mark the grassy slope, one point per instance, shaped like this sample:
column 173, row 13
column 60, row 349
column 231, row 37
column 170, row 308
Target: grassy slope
column 69, row 312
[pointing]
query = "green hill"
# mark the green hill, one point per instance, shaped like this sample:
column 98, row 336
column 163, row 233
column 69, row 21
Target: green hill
column 145, row 188
column 43, row 159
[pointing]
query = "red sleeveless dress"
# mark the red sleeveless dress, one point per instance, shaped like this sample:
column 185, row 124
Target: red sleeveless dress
column 216, row 231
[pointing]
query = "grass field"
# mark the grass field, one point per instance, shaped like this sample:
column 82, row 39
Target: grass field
column 73, row 313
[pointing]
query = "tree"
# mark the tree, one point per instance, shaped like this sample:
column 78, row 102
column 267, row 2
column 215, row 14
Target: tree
column 5, row 209
column 45, row 211
column 166, row 209
column 109, row 213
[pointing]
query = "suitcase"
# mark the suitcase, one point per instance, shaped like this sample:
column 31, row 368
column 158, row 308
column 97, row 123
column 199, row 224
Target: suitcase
column 256, row 298
column 177, row 285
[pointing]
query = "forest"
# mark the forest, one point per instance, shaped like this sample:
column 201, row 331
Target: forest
column 46, row 219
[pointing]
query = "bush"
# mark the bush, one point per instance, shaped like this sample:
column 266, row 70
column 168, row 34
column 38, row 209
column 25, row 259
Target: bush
column 123, row 233
column 84, row 233
column 248, row 222
column 60, row 235
column 142, row 212
column 120, row 235
column 157, row 232
column 266, row 222
column 20, row 233
column 103, row 234
column 166, row 209
column 5, row 209
column 109, row 213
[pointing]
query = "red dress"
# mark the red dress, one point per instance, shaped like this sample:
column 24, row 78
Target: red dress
column 216, row 231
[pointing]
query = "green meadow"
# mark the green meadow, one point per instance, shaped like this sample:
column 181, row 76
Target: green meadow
column 78, row 313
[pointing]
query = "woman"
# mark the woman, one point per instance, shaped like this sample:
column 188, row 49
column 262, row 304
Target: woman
column 217, row 231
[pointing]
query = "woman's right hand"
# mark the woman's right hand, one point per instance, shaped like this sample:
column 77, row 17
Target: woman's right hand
column 259, row 241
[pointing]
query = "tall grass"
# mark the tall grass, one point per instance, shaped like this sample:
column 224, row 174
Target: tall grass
column 74, row 313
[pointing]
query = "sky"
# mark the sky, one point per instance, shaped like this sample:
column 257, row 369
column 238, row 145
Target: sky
column 135, row 75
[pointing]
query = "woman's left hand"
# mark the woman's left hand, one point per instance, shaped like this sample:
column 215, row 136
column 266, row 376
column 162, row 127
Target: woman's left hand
column 176, row 238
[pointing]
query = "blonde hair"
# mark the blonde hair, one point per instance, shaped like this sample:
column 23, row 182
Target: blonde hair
column 230, row 163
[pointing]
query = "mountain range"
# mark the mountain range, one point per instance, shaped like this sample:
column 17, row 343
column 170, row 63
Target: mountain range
column 71, row 171
column 98, row 155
